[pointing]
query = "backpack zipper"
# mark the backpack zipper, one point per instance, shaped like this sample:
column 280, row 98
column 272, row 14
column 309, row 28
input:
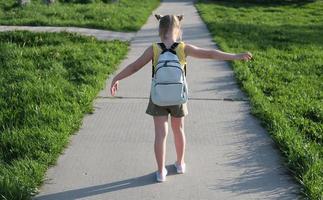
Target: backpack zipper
column 166, row 61
column 169, row 66
column 166, row 83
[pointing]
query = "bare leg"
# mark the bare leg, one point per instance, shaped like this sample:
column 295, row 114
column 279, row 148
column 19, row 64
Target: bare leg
column 161, row 129
column 179, row 138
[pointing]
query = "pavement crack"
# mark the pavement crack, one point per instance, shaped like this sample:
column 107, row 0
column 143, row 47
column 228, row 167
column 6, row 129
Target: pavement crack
column 190, row 99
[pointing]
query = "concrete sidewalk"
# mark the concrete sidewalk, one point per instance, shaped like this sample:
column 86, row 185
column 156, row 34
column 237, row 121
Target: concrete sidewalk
column 229, row 155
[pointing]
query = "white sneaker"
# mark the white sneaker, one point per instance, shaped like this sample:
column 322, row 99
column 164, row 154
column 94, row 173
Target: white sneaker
column 161, row 177
column 180, row 168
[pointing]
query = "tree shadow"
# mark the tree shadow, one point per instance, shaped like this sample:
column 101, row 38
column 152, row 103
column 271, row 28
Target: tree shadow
column 190, row 32
column 225, row 85
column 281, row 37
column 263, row 169
column 74, row 194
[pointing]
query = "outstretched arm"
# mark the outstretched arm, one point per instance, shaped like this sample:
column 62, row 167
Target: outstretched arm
column 191, row 50
column 131, row 69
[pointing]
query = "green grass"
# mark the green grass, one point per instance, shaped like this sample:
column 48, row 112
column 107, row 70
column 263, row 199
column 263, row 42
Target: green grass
column 285, row 79
column 125, row 15
column 47, row 83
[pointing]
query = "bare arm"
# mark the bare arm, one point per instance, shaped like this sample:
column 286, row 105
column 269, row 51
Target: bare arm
column 191, row 50
column 131, row 69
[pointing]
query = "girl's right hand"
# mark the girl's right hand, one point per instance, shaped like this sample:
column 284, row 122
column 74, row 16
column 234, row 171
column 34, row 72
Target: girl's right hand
column 114, row 87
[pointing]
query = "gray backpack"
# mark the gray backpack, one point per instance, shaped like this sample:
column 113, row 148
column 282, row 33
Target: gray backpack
column 168, row 85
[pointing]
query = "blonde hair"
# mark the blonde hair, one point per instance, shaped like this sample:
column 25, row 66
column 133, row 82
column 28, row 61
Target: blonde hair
column 168, row 23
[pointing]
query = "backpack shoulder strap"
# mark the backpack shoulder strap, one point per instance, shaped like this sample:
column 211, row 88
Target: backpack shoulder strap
column 173, row 47
column 158, row 49
column 180, row 50
column 162, row 49
column 156, row 52
column 162, row 46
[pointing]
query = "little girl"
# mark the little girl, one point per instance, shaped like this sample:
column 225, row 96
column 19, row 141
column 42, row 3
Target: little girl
column 170, row 32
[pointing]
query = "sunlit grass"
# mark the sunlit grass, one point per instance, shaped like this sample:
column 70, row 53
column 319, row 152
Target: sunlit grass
column 47, row 83
column 123, row 15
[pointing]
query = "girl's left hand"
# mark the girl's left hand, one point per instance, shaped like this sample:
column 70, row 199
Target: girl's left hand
column 245, row 56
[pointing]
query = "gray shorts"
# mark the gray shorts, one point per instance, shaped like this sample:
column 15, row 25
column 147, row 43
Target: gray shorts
column 174, row 111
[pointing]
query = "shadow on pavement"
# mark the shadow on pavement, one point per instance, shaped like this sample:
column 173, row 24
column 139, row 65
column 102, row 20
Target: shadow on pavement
column 144, row 180
column 262, row 171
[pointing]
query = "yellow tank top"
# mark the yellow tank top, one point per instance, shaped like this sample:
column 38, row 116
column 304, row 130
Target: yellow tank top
column 179, row 52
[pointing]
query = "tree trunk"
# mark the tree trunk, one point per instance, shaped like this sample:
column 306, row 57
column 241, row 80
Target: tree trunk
column 23, row 2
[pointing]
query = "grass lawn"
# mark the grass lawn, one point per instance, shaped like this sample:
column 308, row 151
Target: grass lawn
column 124, row 15
column 285, row 79
column 47, row 83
